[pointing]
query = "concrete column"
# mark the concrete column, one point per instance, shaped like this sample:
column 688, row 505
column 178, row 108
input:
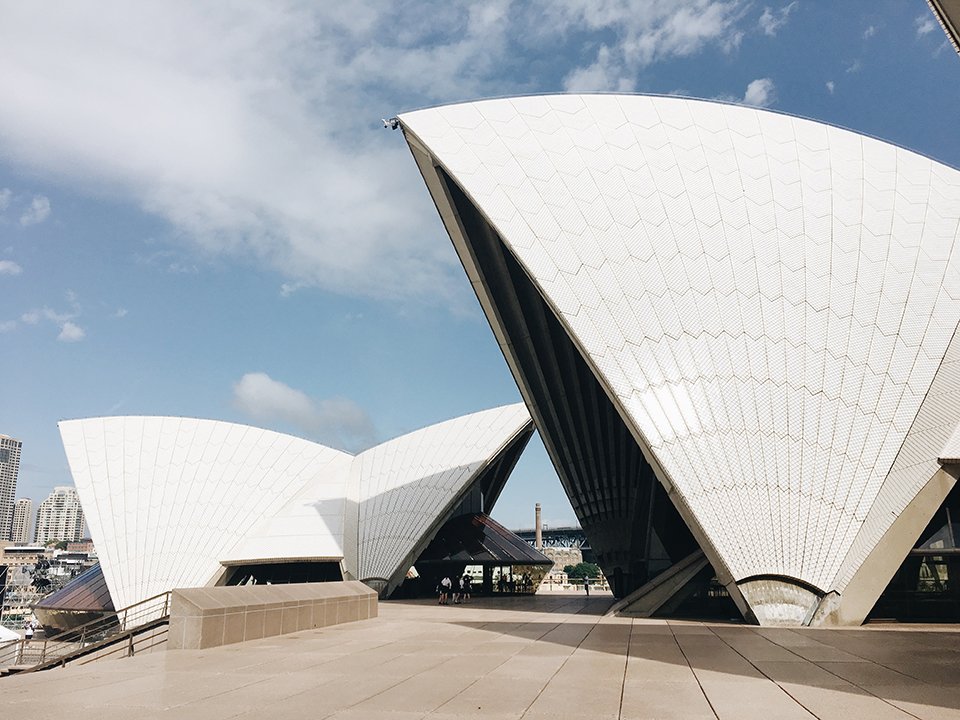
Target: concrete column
column 539, row 541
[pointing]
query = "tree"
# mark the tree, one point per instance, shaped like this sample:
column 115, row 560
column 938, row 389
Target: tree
column 582, row 570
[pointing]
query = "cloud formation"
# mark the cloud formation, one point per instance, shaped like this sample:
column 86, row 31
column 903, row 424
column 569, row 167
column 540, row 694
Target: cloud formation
column 760, row 93
column 253, row 128
column 9, row 267
column 37, row 211
column 70, row 332
column 772, row 20
column 924, row 24
column 645, row 32
column 336, row 422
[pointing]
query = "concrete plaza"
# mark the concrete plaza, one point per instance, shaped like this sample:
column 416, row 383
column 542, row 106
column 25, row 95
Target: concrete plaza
column 552, row 656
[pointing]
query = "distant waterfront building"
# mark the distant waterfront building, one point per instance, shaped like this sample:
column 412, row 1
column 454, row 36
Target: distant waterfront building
column 22, row 515
column 9, row 468
column 59, row 517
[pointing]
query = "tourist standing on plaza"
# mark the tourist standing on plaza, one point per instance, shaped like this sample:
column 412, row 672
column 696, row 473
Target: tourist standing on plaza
column 445, row 586
column 586, row 585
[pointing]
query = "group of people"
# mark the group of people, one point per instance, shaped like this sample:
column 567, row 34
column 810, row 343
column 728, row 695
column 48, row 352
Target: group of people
column 459, row 594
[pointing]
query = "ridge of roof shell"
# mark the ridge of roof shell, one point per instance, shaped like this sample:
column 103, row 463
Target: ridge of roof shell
column 510, row 406
column 771, row 300
column 712, row 101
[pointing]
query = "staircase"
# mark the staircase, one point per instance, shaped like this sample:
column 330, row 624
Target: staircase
column 123, row 633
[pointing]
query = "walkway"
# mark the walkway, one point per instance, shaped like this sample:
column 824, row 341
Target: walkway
column 545, row 657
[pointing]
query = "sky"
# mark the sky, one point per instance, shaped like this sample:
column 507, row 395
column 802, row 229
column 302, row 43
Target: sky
column 201, row 213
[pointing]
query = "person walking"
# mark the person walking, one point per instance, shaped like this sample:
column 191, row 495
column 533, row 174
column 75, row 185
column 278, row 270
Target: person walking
column 467, row 587
column 586, row 585
column 28, row 632
column 445, row 586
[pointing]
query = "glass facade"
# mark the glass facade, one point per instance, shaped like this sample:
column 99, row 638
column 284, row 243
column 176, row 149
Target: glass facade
column 927, row 585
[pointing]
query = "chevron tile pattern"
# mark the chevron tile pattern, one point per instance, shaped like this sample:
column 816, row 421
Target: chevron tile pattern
column 168, row 500
column 767, row 298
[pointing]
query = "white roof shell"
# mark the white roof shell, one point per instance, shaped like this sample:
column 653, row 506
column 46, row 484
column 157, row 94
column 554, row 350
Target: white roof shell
column 170, row 501
column 767, row 299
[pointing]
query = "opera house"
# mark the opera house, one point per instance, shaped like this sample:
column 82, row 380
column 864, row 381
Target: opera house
column 182, row 503
column 736, row 333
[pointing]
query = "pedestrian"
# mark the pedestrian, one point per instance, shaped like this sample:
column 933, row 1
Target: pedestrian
column 467, row 586
column 586, row 585
column 447, row 585
column 28, row 632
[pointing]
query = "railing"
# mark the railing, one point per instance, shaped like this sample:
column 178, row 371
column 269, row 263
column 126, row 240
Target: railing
column 119, row 628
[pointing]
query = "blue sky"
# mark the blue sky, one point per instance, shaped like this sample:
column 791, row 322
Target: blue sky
column 201, row 215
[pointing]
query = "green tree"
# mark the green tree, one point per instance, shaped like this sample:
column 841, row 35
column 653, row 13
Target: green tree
column 582, row 570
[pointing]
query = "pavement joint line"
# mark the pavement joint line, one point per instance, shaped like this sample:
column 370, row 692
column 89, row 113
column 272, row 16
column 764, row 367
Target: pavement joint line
column 848, row 652
column 268, row 680
column 693, row 671
column 865, row 659
column 443, row 660
column 830, row 672
column 626, row 665
column 754, row 666
column 562, row 665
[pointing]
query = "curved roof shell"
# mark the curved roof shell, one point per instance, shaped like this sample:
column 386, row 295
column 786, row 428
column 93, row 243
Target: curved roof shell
column 769, row 301
column 171, row 501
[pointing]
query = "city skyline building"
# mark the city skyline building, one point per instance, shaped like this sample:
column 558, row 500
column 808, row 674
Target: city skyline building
column 59, row 517
column 735, row 330
column 22, row 521
column 9, row 470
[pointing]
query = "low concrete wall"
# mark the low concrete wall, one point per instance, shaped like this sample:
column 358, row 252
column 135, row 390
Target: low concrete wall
column 213, row 616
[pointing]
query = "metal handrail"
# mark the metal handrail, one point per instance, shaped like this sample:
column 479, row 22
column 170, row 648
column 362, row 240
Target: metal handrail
column 125, row 620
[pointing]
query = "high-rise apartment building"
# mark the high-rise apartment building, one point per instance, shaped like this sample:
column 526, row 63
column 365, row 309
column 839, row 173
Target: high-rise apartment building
column 9, row 468
column 22, row 515
column 59, row 517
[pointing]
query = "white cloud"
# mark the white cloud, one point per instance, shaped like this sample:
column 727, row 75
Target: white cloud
column 9, row 267
column 7, row 325
column 5, row 195
column 33, row 317
column 37, row 211
column 772, row 20
column 645, row 33
column 854, row 67
column 120, row 313
column 870, row 32
column 760, row 93
column 253, row 128
column 289, row 288
column 337, row 422
column 924, row 24
column 71, row 332
column 831, row 86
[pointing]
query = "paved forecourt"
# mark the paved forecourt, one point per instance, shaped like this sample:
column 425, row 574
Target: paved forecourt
column 550, row 656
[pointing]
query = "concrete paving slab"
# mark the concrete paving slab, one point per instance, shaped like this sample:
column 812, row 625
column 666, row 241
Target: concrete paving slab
column 548, row 658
